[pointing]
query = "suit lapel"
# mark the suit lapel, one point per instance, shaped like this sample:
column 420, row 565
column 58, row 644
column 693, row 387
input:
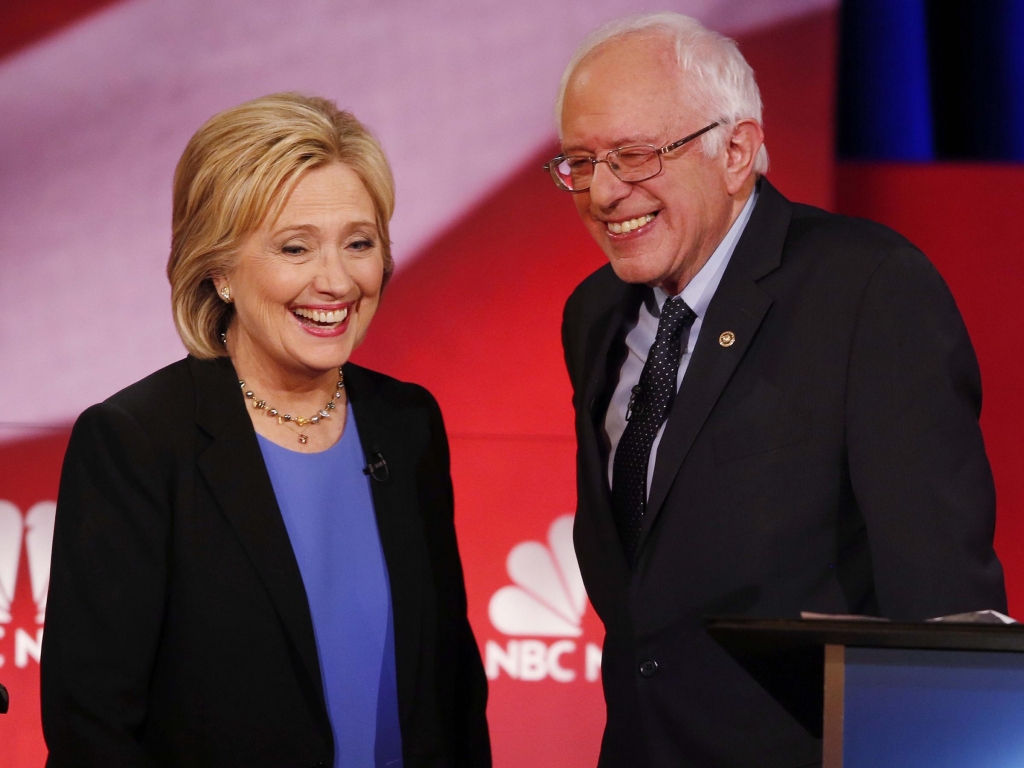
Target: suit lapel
column 237, row 476
column 739, row 306
column 401, row 534
column 623, row 303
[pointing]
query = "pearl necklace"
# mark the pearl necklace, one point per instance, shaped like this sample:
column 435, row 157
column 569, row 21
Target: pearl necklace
column 324, row 413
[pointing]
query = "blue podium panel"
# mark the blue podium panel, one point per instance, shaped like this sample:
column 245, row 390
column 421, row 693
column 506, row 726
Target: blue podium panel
column 910, row 708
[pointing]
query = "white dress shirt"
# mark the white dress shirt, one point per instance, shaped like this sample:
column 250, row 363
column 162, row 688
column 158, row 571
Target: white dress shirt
column 697, row 294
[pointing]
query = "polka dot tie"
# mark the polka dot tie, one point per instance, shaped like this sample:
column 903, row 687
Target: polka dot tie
column 648, row 408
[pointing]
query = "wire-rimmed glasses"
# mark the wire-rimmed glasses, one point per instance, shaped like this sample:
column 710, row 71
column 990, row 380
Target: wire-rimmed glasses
column 574, row 173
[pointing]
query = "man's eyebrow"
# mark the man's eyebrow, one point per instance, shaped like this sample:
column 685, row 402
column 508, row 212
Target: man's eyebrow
column 623, row 141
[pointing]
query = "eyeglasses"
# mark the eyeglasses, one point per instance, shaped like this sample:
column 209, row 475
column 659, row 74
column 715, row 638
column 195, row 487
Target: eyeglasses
column 575, row 173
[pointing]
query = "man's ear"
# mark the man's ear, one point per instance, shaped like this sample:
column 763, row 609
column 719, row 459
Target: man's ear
column 747, row 138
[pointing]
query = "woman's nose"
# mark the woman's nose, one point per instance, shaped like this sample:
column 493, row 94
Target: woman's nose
column 333, row 277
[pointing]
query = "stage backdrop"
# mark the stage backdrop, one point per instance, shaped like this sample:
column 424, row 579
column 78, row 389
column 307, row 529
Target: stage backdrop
column 98, row 100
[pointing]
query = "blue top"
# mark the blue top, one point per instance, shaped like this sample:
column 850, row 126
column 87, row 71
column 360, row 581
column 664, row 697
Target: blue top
column 328, row 510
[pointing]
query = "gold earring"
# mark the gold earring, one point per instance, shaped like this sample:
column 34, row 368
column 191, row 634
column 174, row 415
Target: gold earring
column 225, row 294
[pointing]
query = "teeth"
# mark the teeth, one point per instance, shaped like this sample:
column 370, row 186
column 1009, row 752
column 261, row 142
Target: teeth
column 621, row 227
column 326, row 318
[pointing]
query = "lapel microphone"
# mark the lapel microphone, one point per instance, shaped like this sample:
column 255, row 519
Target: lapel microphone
column 633, row 406
column 376, row 467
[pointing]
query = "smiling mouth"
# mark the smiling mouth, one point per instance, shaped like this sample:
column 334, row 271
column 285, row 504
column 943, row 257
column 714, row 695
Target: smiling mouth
column 630, row 225
column 315, row 318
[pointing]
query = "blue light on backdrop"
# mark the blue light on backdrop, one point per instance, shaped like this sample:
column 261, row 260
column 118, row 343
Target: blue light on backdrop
column 925, row 80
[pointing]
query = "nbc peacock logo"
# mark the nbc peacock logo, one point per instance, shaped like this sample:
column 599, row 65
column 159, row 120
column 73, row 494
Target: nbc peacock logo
column 33, row 535
column 546, row 599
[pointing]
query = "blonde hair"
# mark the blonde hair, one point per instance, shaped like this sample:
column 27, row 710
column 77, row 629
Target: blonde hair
column 719, row 79
column 237, row 172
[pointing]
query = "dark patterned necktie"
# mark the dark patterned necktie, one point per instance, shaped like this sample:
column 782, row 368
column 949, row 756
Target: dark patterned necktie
column 648, row 408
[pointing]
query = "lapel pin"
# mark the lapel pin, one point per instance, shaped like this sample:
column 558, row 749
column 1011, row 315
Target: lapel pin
column 727, row 339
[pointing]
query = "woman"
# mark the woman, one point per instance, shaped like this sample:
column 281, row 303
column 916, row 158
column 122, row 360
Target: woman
column 254, row 556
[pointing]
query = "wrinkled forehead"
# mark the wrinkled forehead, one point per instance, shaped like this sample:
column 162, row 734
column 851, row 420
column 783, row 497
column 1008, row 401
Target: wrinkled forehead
column 626, row 91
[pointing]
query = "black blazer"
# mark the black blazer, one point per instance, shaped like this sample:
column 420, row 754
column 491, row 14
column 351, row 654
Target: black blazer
column 829, row 460
column 178, row 631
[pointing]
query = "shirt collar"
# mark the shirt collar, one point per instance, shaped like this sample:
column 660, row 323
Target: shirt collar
column 698, row 292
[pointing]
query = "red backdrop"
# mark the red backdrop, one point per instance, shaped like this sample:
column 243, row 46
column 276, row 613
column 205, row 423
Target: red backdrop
column 476, row 319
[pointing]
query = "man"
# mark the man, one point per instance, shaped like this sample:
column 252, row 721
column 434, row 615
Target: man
column 776, row 408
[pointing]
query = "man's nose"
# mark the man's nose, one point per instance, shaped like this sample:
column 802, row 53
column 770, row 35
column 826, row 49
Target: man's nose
column 606, row 188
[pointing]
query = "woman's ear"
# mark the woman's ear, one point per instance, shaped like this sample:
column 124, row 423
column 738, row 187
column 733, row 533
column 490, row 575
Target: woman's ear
column 220, row 284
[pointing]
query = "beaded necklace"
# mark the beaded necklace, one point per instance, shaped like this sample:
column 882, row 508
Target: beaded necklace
column 300, row 421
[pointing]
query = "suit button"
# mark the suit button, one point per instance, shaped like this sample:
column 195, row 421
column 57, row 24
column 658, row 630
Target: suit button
column 648, row 667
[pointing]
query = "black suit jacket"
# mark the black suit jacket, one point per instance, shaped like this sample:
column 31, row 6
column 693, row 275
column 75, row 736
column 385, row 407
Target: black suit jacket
column 178, row 631
column 829, row 460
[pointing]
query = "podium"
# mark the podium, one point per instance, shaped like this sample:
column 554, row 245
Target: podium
column 886, row 694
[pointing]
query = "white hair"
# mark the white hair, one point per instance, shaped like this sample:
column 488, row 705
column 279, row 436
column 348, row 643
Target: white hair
column 718, row 79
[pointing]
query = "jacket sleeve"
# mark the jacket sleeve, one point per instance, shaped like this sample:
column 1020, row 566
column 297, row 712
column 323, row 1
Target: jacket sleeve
column 917, row 460
column 466, row 721
column 106, row 600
